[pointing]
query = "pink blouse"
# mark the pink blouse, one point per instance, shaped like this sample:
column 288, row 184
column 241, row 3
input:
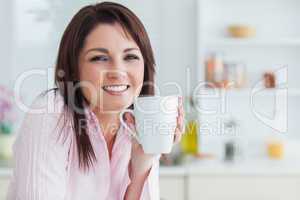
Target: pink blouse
column 46, row 165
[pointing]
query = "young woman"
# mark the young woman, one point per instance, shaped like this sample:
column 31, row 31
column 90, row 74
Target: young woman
column 71, row 145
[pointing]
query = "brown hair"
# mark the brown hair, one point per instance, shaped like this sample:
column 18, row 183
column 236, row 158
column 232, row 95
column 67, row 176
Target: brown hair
column 67, row 62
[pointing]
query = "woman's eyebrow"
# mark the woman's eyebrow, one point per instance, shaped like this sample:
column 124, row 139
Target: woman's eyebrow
column 130, row 49
column 102, row 50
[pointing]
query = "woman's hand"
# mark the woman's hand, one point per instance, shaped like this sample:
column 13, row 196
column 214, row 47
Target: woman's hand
column 141, row 162
column 180, row 122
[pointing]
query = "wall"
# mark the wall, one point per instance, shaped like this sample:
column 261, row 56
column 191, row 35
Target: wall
column 6, row 42
column 33, row 30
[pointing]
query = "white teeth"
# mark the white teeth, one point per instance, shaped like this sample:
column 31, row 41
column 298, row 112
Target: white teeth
column 115, row 88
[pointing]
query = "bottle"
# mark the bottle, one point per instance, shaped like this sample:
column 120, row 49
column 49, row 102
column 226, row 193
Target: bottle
column 189, row 141
column 214, row 70
column 219, row 69
column 209, row 70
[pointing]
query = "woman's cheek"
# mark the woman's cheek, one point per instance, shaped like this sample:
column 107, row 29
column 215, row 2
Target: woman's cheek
column 95, row 75
column 91, row 78
column 139, row 79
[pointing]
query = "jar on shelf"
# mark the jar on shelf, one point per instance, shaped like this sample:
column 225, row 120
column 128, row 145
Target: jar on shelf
column 214, row 69
column 235, row 74
column 269, row 80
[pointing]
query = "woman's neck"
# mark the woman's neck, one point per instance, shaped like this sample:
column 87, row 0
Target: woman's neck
column 109, row 122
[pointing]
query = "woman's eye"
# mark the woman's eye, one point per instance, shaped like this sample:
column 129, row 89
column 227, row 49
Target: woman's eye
column 131, row 57
column 99, row 58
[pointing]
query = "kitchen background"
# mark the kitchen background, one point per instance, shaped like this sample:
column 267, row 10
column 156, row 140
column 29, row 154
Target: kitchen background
column 236, row 62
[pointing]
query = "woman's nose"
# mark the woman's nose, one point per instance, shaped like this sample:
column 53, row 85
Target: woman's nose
column 115, row 74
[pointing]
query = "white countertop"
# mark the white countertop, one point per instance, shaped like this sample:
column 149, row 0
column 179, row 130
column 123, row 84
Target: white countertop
column 212, row 167
column 251, row 167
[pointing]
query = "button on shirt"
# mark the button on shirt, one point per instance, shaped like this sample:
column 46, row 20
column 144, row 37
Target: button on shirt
column 46, row 164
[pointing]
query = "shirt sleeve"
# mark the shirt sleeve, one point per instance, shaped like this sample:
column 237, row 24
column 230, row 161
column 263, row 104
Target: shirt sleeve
column 40, row 159
column 151, row 187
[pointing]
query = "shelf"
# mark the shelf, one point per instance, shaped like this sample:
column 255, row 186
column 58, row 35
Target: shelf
column 276, row 45
column 293, row 42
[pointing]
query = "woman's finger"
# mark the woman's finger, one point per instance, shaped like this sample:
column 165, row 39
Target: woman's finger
column 180, row 123
column 135, row 143
column 177, row 136
column 180, row 109
column 129, row 118
column 180, row 101
column 181, row 112
column 179, row 129
column 130, row 121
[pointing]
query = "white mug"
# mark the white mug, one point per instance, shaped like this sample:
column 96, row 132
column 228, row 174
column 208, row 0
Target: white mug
column 155, row 122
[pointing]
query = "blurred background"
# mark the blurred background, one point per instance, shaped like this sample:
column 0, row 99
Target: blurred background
column 236, row 62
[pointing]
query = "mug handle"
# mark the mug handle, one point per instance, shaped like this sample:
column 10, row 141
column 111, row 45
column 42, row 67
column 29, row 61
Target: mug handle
column 132, row 132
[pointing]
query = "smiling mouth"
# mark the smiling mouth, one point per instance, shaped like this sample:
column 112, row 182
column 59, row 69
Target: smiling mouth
column 116, row 89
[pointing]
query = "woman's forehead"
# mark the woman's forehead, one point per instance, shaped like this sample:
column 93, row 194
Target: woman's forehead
column 109, row 36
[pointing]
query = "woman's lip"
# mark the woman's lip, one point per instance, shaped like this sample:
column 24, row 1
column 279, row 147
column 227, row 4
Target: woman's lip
column 115, row 85
column 116, row 93
column 120, row 84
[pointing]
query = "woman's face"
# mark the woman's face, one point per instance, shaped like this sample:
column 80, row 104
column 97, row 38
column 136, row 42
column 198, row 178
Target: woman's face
column 111, row 68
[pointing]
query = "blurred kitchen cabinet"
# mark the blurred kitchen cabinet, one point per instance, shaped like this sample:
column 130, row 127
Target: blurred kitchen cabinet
column 246, row 187
column 172, row 188
column 4, row 182
column 275, row 48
